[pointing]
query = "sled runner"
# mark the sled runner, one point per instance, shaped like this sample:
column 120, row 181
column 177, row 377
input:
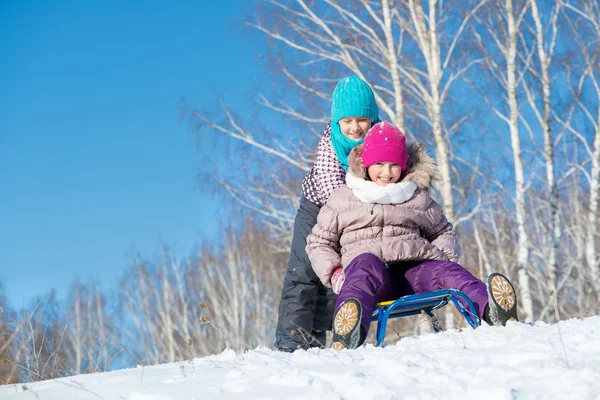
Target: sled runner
column 422, row 302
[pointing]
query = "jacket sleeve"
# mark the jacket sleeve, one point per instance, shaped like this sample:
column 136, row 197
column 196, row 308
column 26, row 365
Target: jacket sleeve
column 323, row 244
column 329, row 174
column 440, row 232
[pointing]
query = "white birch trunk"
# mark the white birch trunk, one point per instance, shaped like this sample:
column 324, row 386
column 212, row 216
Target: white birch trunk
column 101, row 328
column 589, row 11
column 590, row 238
column 78, row 331
column 184, row 323
column 545, row 60
column 429, row 44
column 441, row 146
column 430, row 47
column 482, row 251
column 523, row 241
column 393, row 62
column 167, row 329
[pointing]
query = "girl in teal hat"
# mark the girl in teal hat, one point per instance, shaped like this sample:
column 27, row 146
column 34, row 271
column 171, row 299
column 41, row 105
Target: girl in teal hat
column 353, row 112
column 306, row 306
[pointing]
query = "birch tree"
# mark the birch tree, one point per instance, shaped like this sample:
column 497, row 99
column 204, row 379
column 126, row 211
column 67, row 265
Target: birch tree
column 89, row 344
column 506, row 40
column 587, row 14
column 545, row 51
column 433, row 83
column 7, row 343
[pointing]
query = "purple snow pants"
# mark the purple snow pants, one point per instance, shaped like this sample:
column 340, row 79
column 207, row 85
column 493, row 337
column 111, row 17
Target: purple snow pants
column 370, row 281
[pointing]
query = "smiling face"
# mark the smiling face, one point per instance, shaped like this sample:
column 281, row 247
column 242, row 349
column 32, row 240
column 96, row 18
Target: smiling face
column 384, row 173
column 355, row 128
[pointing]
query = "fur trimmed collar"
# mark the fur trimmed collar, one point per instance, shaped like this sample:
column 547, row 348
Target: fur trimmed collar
column 420, row 168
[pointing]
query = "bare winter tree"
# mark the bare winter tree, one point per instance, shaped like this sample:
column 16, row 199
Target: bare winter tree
column 545, row 51
column 89, row 344
column 241, row 288
column 437, row 32
column 225, row 297
column 506, row 39
column 510, row 52
column 151, row 304
column 584, row 19
column 7, row 343
column 39, row 353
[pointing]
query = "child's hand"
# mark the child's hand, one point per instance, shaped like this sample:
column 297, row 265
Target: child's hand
column 337, row 280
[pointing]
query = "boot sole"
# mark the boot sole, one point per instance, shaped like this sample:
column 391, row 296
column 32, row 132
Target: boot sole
column 504, row 297
column 346, row 325
column 503, row 292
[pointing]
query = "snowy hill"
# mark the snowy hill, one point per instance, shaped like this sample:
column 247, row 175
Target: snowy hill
column 520, row 361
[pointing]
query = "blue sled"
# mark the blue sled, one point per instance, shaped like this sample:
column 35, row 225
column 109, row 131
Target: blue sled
column 422, row 302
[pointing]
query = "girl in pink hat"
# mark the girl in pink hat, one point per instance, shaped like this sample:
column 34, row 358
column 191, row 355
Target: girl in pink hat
column 382, row 237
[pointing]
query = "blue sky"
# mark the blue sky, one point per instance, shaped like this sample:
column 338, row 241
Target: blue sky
column 94, row 160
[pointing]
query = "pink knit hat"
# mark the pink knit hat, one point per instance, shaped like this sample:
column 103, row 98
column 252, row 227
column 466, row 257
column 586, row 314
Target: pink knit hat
column 384, row 143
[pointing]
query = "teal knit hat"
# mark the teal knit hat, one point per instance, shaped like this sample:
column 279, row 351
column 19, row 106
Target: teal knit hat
column 353, row 97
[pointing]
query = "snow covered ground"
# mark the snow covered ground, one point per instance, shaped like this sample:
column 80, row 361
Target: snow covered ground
column 520, row 361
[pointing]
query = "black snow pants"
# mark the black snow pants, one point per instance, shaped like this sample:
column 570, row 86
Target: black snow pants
column 306, row 306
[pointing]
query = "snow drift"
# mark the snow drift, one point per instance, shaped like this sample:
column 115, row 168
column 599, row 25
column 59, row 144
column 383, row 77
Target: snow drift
column 519, row 361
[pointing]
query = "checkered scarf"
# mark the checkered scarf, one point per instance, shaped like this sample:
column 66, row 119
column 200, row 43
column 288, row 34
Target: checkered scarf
column 326, row 174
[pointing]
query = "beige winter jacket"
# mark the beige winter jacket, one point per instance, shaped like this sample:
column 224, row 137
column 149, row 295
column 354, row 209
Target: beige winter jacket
column 415, row 229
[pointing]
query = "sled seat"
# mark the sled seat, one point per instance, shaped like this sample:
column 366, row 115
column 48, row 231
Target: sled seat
column 422, row 302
